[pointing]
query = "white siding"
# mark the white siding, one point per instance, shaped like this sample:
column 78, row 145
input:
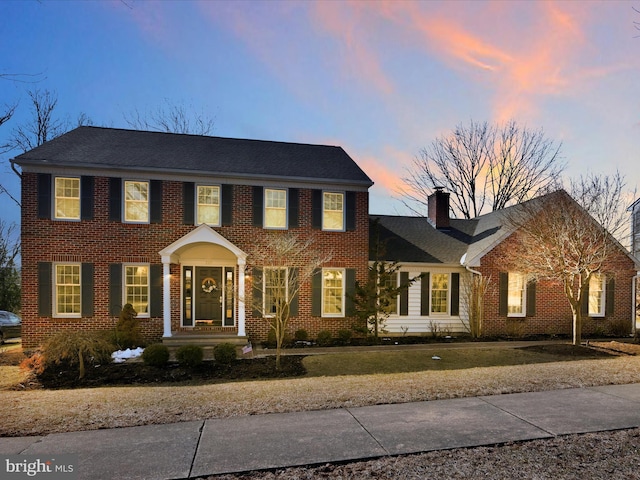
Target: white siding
column 414, row 323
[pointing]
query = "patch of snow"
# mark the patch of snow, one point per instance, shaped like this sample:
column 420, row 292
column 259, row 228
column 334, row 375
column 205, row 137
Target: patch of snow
column 123, row 355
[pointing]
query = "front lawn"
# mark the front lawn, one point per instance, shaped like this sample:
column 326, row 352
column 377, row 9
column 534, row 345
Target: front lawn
column 42, row 411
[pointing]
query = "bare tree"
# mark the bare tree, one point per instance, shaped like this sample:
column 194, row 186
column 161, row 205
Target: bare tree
column 9, row 273
column 281, row 267
column 484, row 167
column 569, row 238
column 171, row 118
column 43, row 125
column 473, row 290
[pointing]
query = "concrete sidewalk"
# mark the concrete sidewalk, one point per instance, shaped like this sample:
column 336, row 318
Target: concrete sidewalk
column 239, row 444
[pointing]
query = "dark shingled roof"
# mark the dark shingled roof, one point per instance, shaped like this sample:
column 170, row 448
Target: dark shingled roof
column 95, row 147
column 415, row 239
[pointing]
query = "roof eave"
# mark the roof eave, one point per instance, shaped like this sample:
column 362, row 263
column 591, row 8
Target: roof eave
column 93, row 166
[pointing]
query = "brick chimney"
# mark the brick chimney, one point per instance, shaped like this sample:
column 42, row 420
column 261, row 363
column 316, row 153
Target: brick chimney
column 438, row 208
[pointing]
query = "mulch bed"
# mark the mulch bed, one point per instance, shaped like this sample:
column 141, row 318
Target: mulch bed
column 575, row 351
column 137, row 373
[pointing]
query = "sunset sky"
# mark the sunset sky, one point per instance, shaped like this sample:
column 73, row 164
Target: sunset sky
column 381, row 79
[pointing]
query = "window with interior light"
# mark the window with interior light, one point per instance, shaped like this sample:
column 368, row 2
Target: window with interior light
column 208, row 205
column 136, row 201
column 67, row 290
column 333, row 211
column 67, row 198
column 275, row 208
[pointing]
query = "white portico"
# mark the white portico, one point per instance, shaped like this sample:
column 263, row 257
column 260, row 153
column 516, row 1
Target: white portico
column 212, row 282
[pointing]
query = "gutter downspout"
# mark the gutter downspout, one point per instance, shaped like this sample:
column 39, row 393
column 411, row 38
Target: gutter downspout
column 469, row 269
column 634, row 286
column 473, row 272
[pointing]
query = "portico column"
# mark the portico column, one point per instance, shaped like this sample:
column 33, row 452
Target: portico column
column 166, row 297
column 241, row 299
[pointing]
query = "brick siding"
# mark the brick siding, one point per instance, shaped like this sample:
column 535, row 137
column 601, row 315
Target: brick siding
column 102, row 242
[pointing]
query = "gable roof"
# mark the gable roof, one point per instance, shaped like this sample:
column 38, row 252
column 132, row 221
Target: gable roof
column 415, row 239
column 100, row 148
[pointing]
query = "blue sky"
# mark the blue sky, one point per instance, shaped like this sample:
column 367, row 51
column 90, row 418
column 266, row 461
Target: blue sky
column 381, row 79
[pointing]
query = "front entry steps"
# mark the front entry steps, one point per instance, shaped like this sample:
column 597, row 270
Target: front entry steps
column 205, row 340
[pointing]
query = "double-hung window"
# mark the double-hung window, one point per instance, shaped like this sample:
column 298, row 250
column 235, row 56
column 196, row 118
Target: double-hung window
column 516, row 296
column 275, row 291
column 275, row 208
column 440, row 293
column 333, row 211
column 596, row 295
column 67, row 294
column 136, row 288
column 208, row 205
column 136, row 201
column 389, row 282
column 333, row 288
column 67, row 198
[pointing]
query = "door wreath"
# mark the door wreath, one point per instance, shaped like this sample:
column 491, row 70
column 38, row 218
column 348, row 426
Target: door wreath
column 209, row 285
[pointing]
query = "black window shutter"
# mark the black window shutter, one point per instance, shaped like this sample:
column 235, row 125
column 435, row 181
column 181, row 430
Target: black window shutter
column 258, row 288
column 86, row 276
column 425, row 307
column 44, row 289
column 531, row 298
column 350, row 201
column 316, row 209
column 350, row 291
column 316, row 293
column 258, row 205
column 585, row 302
column 293, row 283
column 294, row 206
column 404, row 293
column 115, row 199
column 610, row 296
column 44, row 195
column 86, row 198
column 189, row 203
column 115, row 289
column 156, row 201
column 155, row 281
column 504, row 293
column 227, row 204
column 455, row 294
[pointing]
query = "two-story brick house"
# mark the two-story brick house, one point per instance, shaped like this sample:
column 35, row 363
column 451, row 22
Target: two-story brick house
column 166, row 222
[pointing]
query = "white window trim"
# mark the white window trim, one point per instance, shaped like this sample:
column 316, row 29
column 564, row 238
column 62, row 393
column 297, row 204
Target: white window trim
column 55, row 197
column 603, row 299
column 264, row 288
column 54, row 310
column 286, row 208
column 146, row 314
column 197, row 205
column 523, row 313
column 124, row 201
column 344, row 211
column 431, row 312
column 344, row 291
